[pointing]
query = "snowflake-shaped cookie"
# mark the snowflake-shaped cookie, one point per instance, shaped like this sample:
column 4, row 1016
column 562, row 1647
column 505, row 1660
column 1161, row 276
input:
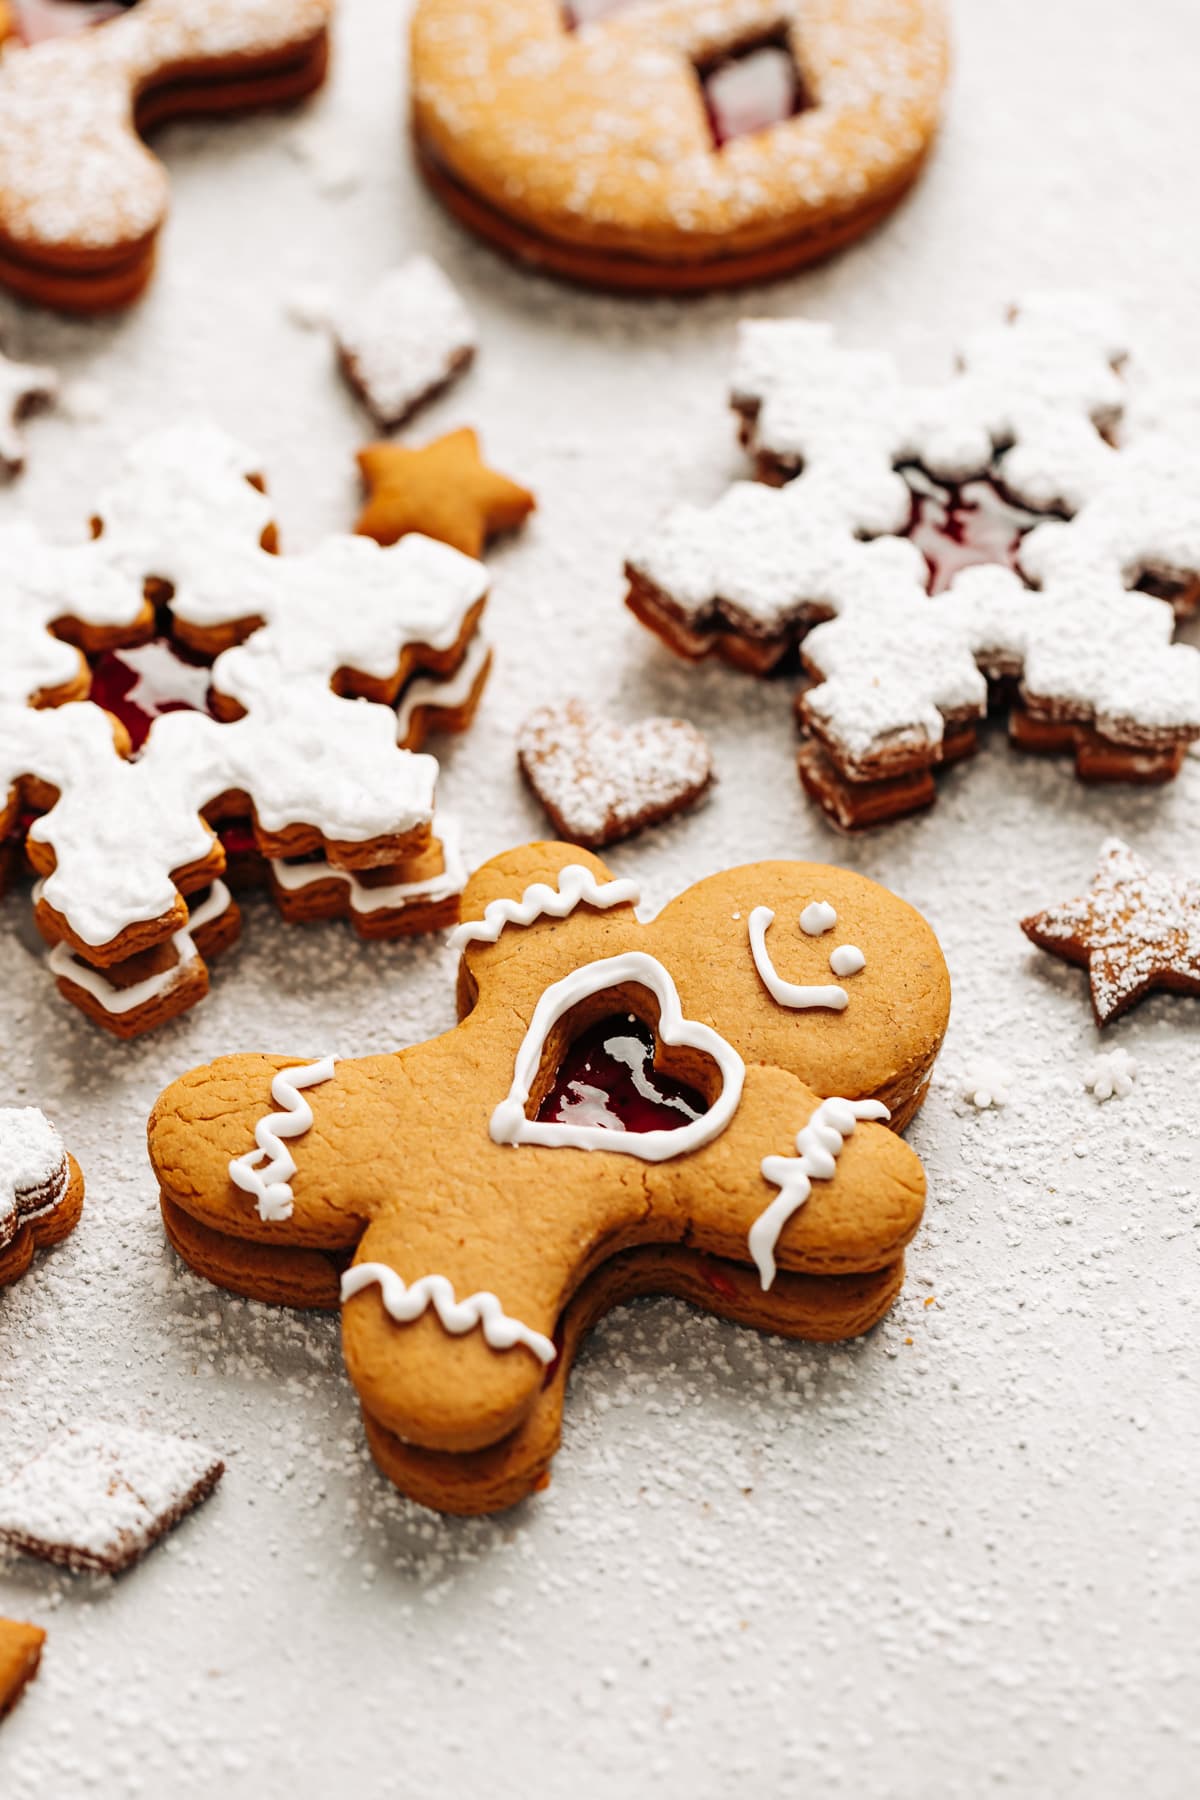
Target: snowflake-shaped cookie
column 1082, row 628
column 300, row 740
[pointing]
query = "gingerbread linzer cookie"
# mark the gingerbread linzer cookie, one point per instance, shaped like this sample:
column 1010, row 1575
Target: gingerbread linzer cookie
column 241, row 722
column 1000, row 538
column 41, row 1189
column 81, row 197
column 1136, row 930
column 665, row 146
column 444, row 489
column 694, row 1105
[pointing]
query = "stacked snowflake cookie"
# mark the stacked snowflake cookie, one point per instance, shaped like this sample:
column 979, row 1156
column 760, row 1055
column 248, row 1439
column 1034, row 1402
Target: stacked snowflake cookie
column 81, row 197
column 41, row 1189
column 693, row 1106
column 301, row 757
column 1086, row 543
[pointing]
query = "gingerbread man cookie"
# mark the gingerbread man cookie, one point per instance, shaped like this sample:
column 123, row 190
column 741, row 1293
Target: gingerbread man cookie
column 1072, row 615
column 623, row 1107
column 81, row 197
column 659, row 145
column 292, row 744
column 41, row 1189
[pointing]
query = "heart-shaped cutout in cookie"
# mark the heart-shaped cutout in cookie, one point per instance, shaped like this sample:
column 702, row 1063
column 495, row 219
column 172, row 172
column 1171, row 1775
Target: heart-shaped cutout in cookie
column 696, row 1076
column 600, row 781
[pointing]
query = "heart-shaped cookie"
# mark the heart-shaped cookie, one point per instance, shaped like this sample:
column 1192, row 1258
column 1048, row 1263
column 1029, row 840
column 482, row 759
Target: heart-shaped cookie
column 599, row 781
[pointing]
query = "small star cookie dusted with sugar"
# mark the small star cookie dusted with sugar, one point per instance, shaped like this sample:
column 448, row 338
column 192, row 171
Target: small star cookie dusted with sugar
column 600, row 781
column 98, row 1496
column 445, row 490
column 404, row 340
column 24, row 387
column 1135, row 930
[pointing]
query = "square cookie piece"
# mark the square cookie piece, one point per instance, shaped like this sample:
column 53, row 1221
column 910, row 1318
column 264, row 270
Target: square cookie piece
column 404, row 340
column 98, row 1496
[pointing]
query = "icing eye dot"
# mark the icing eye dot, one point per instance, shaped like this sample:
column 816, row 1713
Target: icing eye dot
column 817, row 917
column 847, row 959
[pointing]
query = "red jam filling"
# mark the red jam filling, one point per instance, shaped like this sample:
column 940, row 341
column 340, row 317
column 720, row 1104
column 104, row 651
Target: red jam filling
column 138, row 685
column 751, row 90
column 38, row 19
column 608, row 1078
column 957, row 527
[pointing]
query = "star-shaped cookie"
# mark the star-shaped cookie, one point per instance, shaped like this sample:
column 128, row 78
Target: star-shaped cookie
column 444, row 490
column 1136, row 929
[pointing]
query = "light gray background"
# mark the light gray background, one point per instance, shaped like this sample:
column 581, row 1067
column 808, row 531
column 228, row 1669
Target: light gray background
column 958, row 1558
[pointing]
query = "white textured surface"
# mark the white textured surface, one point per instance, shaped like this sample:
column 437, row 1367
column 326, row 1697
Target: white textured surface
column 949, row 1566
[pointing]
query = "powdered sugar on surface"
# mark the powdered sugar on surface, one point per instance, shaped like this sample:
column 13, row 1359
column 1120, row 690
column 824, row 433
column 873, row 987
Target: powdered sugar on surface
column 953, row 1560
column 22, row 387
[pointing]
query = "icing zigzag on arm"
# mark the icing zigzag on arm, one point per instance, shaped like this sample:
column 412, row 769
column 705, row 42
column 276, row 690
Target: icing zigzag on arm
column 269, row 1181
column 818, row 1146
column 404, row 1304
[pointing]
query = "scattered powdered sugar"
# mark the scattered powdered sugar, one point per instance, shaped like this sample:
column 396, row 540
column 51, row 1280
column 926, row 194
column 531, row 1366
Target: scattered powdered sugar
column 1111, row 1075
column 84, row 400
column 600, row 781
column 23, row 387
column 404, row 338
column 986, row 1083
column 335, row 166
column 99, row 1495
column 311, row 305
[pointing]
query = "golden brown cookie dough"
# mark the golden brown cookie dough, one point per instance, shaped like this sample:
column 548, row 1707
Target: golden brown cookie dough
column 593, row 153
column 476, row 1219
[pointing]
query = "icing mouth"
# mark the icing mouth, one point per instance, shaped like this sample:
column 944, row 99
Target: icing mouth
column 652, row 1139
column 788, row 993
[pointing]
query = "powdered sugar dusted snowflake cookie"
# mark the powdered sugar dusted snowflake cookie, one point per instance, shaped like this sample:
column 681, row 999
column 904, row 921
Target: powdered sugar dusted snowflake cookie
column 1136, row 929
column 98, row 1496
column 599, row 781
column 695, row 1105
column 404, row 340
column 41, row 1188
column 261, row 706
column 668, row 146
column 890, row 491
column 81, row 198
column 23, row 388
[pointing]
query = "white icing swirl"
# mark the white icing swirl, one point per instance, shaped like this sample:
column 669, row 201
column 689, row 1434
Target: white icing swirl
column 269, row 1180
column 404, row 1303
column 576, row 885
column 818, row 1146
